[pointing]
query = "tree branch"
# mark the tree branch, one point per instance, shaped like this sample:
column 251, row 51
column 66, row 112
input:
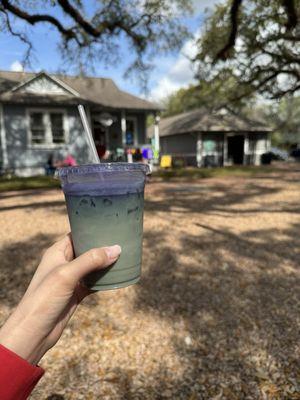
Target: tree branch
column 291, row 13
column 224, row 52
column 97, row 31
column 283, row 93
column 282, row 57
column 78, row 18
column 19, row 35
column 32, row 19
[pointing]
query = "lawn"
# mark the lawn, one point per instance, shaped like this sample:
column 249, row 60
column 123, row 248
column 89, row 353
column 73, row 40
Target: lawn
column 201, row 173
column 216, row 314
column 39, row 182
column 35, row 182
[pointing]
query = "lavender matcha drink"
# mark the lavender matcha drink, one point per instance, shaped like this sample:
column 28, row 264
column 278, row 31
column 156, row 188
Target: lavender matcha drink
column 105, row 205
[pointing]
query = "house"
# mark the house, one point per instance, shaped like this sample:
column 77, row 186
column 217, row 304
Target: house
column 216, row 138
column 39, row 119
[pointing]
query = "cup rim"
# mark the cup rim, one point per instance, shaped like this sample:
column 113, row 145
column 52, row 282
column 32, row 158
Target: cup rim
column 102, row 167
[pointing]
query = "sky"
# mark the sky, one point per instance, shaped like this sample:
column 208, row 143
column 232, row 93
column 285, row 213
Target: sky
column 170, row 73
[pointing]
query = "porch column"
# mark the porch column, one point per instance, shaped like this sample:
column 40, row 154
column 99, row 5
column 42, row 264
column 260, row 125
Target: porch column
column 199, row 150
column 123, row 127
column 89, row 116
column 246, row 148
column 225, row 150
column 268, row 141
column 156, row 137
column 107, row 137
column 3, row 139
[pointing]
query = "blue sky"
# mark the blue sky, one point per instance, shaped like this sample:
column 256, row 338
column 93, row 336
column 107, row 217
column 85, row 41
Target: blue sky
column 170, row 73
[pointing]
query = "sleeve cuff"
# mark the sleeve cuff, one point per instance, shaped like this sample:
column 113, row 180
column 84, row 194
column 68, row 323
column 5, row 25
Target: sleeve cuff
column 17, row 376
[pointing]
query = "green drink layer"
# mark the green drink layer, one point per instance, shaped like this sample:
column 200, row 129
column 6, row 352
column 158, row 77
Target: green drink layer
column 98, row 221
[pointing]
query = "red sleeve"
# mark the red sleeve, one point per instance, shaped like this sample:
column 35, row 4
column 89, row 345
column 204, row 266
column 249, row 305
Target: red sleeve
column 17, row 376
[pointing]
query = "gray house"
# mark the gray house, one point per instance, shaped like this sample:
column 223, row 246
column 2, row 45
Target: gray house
column 39, row 118
column 213, row 138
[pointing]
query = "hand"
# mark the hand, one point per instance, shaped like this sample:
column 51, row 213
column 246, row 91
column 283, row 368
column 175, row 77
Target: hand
column 52, row 298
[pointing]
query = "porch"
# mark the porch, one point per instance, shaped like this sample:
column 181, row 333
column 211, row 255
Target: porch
column 231, row 148
column 118, row 133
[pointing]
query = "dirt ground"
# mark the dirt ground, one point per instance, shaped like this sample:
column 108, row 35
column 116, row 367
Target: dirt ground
column 216, row 314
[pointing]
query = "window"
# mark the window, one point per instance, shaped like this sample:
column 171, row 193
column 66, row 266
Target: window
column 213, row 143
column 38, row 128
column 209, row 146
column 47, row 127
column 57, row 128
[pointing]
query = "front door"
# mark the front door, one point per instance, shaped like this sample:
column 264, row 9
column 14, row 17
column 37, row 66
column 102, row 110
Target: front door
column 99, row 138
column 236, row 149
column 131, row 131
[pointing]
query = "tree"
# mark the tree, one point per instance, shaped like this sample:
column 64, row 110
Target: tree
column 150, row 26
column 211, row 95
column 284, row 117
column 258, row 42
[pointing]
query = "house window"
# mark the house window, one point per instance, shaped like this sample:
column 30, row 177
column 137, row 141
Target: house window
column 38, row 128
column 213, row 144
column 57, row 128
column 209, row 146
column 47, row 127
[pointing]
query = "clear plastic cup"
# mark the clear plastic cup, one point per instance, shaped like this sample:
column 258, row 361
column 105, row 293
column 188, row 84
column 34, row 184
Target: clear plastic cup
column 105, row 205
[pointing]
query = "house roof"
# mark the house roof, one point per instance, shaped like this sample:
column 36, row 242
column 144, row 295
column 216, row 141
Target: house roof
column 203, row 120
column 98, row 91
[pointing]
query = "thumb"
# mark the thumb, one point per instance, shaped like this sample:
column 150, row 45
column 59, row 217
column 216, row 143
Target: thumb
column 93, row 259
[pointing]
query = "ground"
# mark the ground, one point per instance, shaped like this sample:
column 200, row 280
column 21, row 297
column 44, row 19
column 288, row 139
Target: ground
column 10, row 183
column 216, row 314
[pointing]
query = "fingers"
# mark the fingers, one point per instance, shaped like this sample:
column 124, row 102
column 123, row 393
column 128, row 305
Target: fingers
column 90, row 261
column 58, row 254
column 64, row 247
column 68, row 250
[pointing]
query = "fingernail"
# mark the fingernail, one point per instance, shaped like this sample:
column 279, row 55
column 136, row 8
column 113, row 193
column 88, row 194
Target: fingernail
column 113, row 251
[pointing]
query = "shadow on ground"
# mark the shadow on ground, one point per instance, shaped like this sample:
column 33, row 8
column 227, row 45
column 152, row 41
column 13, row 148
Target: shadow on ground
column 31, row 207
column 242, row 322
column 233, row 299
column 19, row 261
column 191, row 198
column 235, row 296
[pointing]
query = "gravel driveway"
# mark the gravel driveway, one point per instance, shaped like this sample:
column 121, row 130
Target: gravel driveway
column 216, row 315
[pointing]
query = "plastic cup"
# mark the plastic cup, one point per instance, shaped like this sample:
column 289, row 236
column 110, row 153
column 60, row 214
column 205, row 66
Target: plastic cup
column 105, row 204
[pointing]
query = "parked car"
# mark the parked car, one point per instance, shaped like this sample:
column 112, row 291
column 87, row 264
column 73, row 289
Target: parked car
column 295, row 154
column 279, row 154
column 274, row 154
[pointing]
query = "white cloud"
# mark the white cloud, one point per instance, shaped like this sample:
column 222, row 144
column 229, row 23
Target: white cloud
column 180, row 74
column 16, row 66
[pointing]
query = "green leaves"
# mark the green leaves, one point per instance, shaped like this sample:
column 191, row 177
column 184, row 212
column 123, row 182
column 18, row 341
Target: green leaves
column 264, row 57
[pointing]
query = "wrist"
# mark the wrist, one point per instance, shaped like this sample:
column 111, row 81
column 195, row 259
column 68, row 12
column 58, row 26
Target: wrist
column 15, row 337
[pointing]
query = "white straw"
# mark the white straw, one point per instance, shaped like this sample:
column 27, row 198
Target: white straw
column 88, row 133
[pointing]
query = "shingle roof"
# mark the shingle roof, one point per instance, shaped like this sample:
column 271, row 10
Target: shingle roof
column 100, row 91
column 203, row 120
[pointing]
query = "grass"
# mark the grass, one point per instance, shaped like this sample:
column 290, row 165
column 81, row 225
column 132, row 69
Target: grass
column 34, row 182
column 46, row 182
column 201, row 173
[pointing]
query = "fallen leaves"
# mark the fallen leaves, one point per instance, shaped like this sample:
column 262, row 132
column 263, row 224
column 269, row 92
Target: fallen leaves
column 216, row 315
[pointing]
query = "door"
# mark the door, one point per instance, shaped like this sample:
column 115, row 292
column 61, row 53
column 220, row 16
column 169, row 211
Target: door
column 131, row 131
column 100, row 138
column 236, row 149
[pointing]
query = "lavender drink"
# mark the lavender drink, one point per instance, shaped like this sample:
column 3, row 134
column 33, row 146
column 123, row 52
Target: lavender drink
column 105, row 205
